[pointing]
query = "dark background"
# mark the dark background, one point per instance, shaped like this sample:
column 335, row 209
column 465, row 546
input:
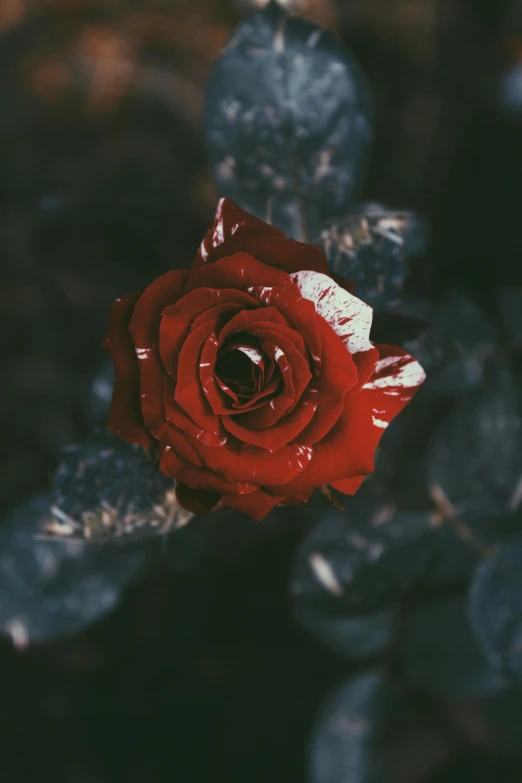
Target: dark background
column 202, row 674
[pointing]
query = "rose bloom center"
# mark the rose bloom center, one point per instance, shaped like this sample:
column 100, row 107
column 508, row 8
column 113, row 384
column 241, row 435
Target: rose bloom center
column 243, row 370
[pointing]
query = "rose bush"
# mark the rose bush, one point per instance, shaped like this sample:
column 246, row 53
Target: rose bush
column 253, row 373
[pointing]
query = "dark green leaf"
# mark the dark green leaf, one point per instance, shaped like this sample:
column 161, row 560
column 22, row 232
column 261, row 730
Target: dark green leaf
column 459, row 543
column 52, row 589
column 495, row 607
column 370, row 246
column 353, row 568
column 510, row 306
column 108, row 490
column 476, row 454
column 356, row 637
column 345, row 745
column 454, row 351
column 286, row 122
column 440, row 653
column 502, row 714
column 364, row 559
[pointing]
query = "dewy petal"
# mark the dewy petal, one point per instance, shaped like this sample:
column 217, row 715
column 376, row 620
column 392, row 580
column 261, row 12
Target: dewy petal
column 349, row 317
column 227, row 220
column 396, row 379
column 289, row 255
column 125, row 415
column 145, row 321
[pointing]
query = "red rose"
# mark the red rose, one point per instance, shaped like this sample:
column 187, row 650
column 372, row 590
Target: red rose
column 253, row 372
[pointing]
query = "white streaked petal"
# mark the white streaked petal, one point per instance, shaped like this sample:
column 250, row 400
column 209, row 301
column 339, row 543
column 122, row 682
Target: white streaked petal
column 253, row 354
column 395, row 373
column 349, row 317
column 396, row 378
column 217, row 237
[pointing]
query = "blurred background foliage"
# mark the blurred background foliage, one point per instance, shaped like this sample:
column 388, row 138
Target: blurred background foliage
column 202, row 673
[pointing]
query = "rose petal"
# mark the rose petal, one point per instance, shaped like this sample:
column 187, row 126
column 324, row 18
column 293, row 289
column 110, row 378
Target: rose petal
column 338, row 376
column 244, row 320
column 219, row 394
column 288, row 255
column 198, row 478
column 295, row 376
column 299, row 312
column 286, row 348
column 349, row 317
column 196, row 500
column 183, row 422
column 227, row 220
column 240, row 271
column 365, row 361
column 220, row 314
column 257, row 505
column 348, row 450
column 207, row 364
column 152, row 388
column 145, row 321
column 250, row 405
column 268, row 324
column 188, row 392
column 254, row 465
column 285, row 430
column 172, row 465
column 396, row 379
column 287, row 351
column 125, row 416
column 349, row 486
column 178, row 318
